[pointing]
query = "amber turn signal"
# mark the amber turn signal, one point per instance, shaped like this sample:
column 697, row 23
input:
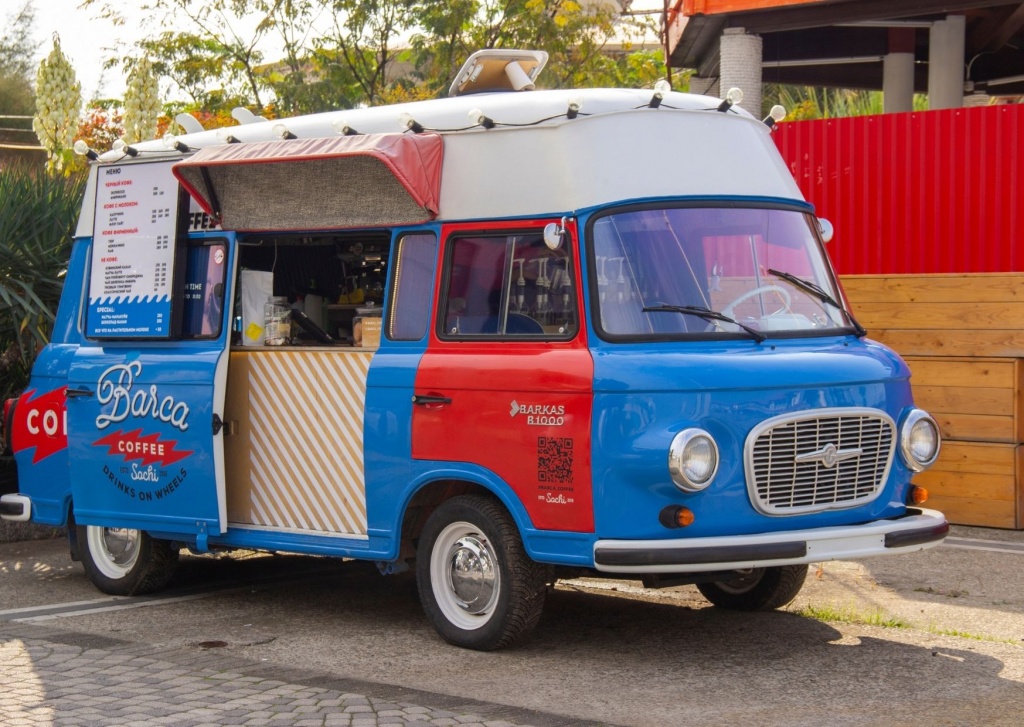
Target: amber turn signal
column 676, row 516
column 918, row 495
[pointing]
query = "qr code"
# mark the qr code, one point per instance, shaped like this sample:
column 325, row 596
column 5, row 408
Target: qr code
column 554, row 459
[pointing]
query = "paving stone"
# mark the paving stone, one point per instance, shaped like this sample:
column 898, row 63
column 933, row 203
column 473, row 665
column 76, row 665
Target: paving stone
column 140, row 685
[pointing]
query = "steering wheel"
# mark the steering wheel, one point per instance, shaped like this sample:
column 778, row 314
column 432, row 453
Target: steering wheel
column 780, row 291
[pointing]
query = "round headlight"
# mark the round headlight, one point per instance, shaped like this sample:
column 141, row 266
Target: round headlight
column 693, row 459
column 919, row 440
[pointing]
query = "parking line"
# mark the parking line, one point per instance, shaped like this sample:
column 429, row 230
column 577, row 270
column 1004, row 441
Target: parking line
column 48, row 612
column 992, row 546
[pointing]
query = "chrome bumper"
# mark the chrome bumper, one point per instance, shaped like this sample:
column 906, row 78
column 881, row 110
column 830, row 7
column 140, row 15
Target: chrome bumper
column 919, row 530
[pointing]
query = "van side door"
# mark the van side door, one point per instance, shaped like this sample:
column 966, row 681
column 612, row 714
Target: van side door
column 144, row 416
column 505, row 386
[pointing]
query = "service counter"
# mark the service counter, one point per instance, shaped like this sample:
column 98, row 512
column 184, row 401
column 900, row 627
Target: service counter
column 294, row 433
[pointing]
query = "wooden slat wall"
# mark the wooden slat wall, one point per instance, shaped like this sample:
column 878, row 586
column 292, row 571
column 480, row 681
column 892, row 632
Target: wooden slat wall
column 963, row 338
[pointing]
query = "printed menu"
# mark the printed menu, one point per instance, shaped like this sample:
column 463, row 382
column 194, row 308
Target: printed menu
column 133, row 251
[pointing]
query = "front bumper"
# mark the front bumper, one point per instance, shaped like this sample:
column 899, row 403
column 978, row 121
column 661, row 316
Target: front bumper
column 918, row 530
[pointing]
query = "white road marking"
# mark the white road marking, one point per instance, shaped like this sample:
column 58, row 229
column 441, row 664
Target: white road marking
column 992, row 546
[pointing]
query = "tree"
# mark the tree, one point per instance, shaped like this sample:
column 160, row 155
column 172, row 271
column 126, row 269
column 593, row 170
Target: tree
column 576, row 35
column 16, row 52
column 314, row 55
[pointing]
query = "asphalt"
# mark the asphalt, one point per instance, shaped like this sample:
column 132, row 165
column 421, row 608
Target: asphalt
column 962, row 601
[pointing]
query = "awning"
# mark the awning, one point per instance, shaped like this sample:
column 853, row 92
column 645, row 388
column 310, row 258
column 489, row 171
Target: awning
column 370, row 180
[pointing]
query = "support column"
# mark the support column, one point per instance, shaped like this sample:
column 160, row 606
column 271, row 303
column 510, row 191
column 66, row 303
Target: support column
column 946, row 63
column 705, row 86
column 898, row 72
column 741, row 61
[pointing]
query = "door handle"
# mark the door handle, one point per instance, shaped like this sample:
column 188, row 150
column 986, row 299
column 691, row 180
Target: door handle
column 424, row 399
column 77, row 393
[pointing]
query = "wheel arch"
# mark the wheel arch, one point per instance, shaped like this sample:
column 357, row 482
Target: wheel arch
column 425, row 495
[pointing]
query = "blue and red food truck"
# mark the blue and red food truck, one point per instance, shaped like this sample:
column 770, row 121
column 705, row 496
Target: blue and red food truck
column 605, row 338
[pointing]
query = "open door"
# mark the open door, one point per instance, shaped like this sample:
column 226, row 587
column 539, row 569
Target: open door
column 144, row 416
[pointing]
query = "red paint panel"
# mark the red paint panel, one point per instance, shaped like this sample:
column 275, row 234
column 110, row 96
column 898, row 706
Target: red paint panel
column 40, row 422
column 520, row 409
column 929, row 192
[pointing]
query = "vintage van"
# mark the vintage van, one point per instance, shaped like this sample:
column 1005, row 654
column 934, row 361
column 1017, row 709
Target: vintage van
column 605, row 338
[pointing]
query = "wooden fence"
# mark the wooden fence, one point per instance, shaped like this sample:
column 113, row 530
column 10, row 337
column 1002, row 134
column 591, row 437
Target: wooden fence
column 963, row 338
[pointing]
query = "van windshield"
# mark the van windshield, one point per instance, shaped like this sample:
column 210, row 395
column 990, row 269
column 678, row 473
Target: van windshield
column 658, row 270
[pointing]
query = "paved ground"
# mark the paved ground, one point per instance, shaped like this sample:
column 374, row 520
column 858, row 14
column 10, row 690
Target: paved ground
column 933, row 638
column 58, row 678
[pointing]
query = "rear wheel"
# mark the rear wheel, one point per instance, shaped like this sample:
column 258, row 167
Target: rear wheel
column 478, row 587
column 125, row 562
column 759, row 589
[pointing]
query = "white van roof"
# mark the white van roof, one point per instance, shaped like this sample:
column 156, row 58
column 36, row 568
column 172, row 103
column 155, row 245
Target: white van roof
column 536, row 161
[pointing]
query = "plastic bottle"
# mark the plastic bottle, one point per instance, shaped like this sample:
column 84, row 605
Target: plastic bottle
column 276, row 322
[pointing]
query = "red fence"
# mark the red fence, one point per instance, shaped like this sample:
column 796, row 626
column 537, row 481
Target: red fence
column 930, row 192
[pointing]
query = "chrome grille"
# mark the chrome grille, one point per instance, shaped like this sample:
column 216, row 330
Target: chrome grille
column 828, row 459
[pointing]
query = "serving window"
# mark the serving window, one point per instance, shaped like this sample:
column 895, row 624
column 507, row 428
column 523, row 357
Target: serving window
column 334, row 279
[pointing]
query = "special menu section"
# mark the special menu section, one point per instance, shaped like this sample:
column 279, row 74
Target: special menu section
column 133, row 252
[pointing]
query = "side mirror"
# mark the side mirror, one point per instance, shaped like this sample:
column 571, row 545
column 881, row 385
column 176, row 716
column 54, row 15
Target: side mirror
column 826, row 229
column 554, row 235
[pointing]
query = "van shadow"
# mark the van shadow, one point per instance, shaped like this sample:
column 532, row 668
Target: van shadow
column 684, row 662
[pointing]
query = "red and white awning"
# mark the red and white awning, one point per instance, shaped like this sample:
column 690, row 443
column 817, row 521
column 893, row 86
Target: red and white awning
column 370, row 180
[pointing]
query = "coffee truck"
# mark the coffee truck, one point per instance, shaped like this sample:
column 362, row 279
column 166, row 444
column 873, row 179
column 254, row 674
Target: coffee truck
column 530, row 334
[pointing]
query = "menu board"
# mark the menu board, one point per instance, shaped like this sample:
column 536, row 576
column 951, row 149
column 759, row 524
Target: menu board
column 133, row 251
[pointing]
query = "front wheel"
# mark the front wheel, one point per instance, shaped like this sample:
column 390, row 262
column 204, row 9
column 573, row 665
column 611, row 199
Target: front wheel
column 478, row 587
column 125, row 562
column 759, row 589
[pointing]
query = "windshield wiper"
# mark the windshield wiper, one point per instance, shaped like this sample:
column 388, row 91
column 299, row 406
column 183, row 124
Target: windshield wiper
column 821, row 294
column 705, row 313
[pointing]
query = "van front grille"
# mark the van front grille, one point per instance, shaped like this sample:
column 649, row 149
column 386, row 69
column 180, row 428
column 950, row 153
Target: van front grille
column 824, row 460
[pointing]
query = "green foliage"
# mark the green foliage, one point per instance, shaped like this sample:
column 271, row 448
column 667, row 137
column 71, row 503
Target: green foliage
column 316, row 55
column 848, row 614
column 575, row 36
column 37, row 216
column 16, row 52
column 804, row 102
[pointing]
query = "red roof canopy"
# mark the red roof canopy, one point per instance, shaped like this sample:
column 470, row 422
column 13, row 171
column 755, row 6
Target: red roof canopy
column 370, row 180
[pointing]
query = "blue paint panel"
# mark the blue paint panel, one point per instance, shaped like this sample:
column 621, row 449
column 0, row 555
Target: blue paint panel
column 141, row 441
column 141, row 448
column 47, row 482
column 641, row 401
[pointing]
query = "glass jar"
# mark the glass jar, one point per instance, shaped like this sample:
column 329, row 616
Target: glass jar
column 277, row 326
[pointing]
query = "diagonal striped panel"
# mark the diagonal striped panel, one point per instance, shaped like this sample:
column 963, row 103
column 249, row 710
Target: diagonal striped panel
column 306, row 440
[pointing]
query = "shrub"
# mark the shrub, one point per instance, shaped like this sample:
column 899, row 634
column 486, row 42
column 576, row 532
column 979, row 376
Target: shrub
column 38, row 213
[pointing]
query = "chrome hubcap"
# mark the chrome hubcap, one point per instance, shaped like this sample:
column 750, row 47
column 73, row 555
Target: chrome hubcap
column 121, row 544
column 471, row 574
